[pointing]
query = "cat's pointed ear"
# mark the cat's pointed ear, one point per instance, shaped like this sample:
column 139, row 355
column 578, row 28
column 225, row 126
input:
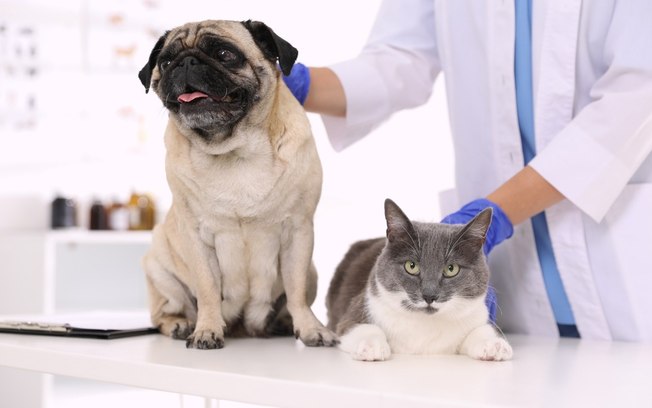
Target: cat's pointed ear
column 471, row 238
column 399, row 226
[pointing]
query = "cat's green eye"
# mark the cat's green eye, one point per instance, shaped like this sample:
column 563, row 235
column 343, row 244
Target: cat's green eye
column 412, row 268
column 451, row 270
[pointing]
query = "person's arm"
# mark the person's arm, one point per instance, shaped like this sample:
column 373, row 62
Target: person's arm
column 326, row 94
column 593, row 158
column 524, row 195
column 395, row 70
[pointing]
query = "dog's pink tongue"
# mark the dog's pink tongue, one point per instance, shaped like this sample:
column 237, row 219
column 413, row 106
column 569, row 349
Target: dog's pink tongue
column 189, row 97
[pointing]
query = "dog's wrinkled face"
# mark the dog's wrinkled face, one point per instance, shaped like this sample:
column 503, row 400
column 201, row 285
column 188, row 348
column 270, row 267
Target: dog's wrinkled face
column 210, row 74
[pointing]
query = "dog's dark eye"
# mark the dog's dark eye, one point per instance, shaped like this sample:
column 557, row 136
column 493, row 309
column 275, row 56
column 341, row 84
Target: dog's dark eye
column 226, row 55
column 164, row 64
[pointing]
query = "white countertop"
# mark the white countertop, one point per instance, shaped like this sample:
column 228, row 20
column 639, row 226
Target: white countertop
column 282, row 372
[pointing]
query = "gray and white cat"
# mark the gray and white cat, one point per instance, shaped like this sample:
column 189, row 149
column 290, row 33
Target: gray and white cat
column 419, row 291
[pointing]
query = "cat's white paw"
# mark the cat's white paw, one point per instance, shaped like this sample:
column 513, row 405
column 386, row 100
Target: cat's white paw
column 372, row 350
column 496, row 349
column 366, row 342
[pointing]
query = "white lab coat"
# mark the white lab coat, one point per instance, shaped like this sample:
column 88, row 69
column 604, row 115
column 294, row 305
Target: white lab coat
column 592, row 76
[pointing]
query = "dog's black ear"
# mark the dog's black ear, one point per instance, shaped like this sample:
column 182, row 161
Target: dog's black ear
column 145, row 74
column 273, row 46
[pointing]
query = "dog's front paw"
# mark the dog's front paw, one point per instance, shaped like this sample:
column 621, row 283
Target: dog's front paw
column 496, row 349
column 205, row 340
column 317, row 336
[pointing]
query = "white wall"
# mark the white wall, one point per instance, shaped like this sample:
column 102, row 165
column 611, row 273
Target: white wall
column 98, row 133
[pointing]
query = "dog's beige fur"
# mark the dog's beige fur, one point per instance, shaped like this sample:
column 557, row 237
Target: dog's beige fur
column 239, row 232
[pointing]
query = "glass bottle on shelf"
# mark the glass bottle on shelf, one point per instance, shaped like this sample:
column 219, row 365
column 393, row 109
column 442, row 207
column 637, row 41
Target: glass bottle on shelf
column 63, row 213
column 147, row 211
column 98, row 216
column 141, row 212
column 118, row 216
column 134, row 212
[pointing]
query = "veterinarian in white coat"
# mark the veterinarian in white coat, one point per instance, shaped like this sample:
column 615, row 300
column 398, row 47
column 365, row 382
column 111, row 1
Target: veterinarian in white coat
column 592, row 96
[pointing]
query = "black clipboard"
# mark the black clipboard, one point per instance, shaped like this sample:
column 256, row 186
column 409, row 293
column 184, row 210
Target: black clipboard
column 45, row 329
column 101, row 327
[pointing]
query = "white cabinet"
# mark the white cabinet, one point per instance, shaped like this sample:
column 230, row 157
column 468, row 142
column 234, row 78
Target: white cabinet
column 64, row 271
column 61, row 271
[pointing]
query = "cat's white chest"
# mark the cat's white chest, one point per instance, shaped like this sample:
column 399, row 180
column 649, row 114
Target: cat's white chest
column 416, row 332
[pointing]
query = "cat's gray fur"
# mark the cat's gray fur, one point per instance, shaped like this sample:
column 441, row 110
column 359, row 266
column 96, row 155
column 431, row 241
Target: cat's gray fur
column 371, row 287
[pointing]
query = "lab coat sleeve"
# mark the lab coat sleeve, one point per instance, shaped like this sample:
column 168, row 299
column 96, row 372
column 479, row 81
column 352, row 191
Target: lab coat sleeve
column 395, row 70
column 592, row 159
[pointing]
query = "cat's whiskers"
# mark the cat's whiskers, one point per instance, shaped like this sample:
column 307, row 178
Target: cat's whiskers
column 494, row 324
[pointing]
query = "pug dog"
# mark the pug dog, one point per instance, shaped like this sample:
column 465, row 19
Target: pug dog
column 234, row 253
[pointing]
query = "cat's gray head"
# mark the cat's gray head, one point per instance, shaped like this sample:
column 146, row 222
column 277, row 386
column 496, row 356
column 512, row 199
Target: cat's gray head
column 429, row 267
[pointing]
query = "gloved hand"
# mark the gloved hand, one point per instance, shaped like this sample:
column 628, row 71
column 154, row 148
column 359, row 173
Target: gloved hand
column 500, row 229
column 298, row 81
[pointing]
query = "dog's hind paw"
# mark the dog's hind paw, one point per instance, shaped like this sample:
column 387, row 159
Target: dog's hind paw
column 205, row 340
column 176, row 327
column 317, row 337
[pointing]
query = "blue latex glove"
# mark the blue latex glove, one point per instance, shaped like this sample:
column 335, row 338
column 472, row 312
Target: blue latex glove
column 501, row 228
column 298, row 81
